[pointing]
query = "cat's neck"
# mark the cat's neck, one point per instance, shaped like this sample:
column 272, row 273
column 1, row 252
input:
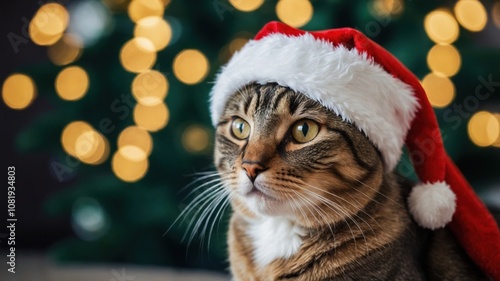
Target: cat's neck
column 273, row 238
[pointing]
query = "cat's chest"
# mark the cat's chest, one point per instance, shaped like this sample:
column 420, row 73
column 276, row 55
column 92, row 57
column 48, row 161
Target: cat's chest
column 274, row 238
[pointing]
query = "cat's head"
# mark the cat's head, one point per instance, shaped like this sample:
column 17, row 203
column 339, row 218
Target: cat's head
column 281, row 153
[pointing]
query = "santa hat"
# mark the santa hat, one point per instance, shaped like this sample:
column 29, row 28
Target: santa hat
column 367, row 86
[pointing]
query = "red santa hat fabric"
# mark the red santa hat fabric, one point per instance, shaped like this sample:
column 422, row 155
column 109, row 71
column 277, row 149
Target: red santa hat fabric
column 367, row 86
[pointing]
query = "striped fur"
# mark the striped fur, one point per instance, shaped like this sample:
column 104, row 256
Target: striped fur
column 353, row 221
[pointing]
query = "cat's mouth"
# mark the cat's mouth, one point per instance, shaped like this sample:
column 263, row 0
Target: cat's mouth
column 260, row 193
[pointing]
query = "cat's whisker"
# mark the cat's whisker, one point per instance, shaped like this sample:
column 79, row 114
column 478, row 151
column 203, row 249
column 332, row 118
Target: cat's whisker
column 316, row 209
column 299, row 207
column 372, row 199
column 198, row 199
column 201, row 187
column 207, row 202
column 377, row 191
column 320, row 213
column 217, row 179
column 188, row 208
column 204, row 217
column 218, row 216
column 207, row 218
column 201, row 210
column 331, row 205
column 307, row 203
column 366, row 214
column 337, row 208
column 192, row 205
column 200, row 176
column 369, row 223
column 198, row 219
column 346, row 201
column 217, row 206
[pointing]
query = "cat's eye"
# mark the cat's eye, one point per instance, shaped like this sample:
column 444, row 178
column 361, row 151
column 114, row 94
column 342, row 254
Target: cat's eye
column 240, row 128
column 305, row 130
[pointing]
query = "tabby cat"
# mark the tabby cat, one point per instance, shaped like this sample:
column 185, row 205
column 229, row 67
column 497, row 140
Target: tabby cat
column 311, row 199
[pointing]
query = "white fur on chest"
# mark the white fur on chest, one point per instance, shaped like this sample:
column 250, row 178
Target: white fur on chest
column 274, row 238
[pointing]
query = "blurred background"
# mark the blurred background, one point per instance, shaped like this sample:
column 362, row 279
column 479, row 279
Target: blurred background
column 104, row 111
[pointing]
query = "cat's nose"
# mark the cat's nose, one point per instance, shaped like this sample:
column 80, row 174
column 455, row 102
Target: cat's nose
column 252, row 169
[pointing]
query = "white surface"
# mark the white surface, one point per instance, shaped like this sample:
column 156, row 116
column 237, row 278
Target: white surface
column 31, row 267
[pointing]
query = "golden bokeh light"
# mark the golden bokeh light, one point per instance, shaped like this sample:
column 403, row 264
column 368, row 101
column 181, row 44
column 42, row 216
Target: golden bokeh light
column 91, row 147
column 18, row 91
column 51, row 18
column 132, row 152
column 136, row 136
column 72, row 83
column 439, row 89
column 495, row 14
column 483, row 128
column 156, row 29
column 71, row 133
column 128, row 170
column 67, row 50
column 48, row 24
column 444, row 60
column 246, row 5
column 150, row 87
column 101, row 153
column 386, row 8
column 151, row 118
column 139, row 9
column 190, row 66
column 40, row 38
column 441, row 26
column 86, row 144
column 138, row 55
column 79, row 139
column 471, row 14
column 496, row 143
column 295, row 13
column 195, row 139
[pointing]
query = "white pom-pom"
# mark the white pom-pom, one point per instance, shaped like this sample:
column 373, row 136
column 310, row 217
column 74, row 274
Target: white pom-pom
column 432, row 204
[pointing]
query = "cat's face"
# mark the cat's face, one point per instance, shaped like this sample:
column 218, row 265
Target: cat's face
column 282, row 154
